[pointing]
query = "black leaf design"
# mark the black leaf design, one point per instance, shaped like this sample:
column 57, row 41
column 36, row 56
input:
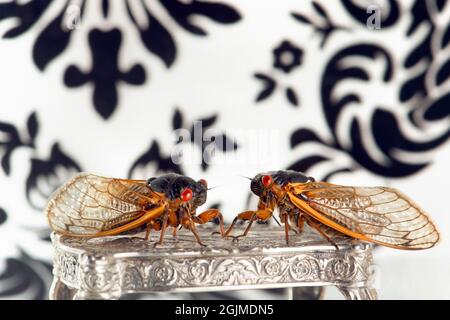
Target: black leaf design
column 3, row 216
column 269, row 85
column 421, row 52
column 443, row 73
column 439, row 110
column 33, row 127
column 25, row 278
column 446, row 38
column 292, row 96
column 331, row 174
column 304, row 135
column 414, row 86
column 13, row 140
column 156, row 38
column 22, row 13
column 325, row 26
column 105, row 8
column 207, row 122
column 152, row 163
column 177, row 120
column 9, row 145
column 51, row 42
column 306, row 163
column 47, row 175
column 301, row 18
column 320, row 10
column 183, row 11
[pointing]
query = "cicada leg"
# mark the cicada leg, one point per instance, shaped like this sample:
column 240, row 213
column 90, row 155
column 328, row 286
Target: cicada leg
column 194, row 231
column 148, row 228
column 300, row 222
column 286, row 227
column 151, row 225
column 163, row 228
column 316, row 226
column 174, row 231
column 263, row 213
column 252, row 216
column 209, row 215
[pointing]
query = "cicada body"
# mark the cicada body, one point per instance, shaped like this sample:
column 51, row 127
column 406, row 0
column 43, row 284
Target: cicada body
column 380, row 215
column 94, row 206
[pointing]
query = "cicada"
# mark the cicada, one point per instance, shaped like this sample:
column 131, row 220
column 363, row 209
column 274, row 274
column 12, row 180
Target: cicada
column 380, row 215
column 94, row 206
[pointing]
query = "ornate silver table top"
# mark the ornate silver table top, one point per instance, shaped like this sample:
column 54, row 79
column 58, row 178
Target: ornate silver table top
column 106, row 268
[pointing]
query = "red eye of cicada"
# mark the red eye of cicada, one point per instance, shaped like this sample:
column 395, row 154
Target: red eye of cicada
column 266, row 180
column 186, row 195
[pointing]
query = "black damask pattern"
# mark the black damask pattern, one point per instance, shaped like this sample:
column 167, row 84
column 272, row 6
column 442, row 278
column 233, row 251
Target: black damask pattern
column 25, row 278
column 423, row 98
column 14, row 140
column 385, row 125
column 321, row 22
column 286, row 57
column 105, row 73
column 46, row 176
column 3, row 216
column 153, row 161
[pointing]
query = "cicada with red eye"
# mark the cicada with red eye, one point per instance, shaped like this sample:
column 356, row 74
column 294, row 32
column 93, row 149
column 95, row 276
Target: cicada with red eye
column 94, row 206
column 380, row 215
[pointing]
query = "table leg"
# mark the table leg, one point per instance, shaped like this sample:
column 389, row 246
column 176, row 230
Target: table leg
column 60, row 291
column 359, row 293
column 306, row 293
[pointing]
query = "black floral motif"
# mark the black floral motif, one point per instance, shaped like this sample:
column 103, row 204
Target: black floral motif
column 287, row 57
column 325, row 26
column 423, row 60
column 47, row 175
column 303, row 136
column 14, row 140
column 27, row 14
column 105, row 73
column 3, row 216
column 25, row 278
column 384, row 125
column 152, row 163
column 105, row 45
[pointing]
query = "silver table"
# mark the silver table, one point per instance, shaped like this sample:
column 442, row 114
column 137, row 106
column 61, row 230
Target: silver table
column 106, row 268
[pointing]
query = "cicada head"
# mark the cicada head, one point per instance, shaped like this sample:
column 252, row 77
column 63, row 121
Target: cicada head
column 176, row 186
column 264, row 181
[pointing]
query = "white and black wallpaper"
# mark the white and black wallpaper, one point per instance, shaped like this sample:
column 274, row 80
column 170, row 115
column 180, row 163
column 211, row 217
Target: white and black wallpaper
column 101, row 86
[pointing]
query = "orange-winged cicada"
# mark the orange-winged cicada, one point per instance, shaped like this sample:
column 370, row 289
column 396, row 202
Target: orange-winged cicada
column 93, row 206
column 380, row 215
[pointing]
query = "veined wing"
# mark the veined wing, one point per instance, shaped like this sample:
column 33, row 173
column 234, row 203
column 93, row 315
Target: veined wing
column 88, row 204
column 376, row 214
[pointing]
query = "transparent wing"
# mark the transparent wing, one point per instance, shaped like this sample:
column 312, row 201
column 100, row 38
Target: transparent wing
column 88, row 204
column 378, row 214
